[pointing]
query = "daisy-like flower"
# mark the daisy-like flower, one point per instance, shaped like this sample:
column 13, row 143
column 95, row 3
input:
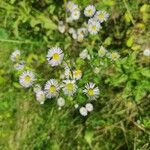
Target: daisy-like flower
column 15, row 56
column 60, row 102
column 101, row 16
column 89, row 107
column 74, row 36
column 80, row 37
column 55, row 56
column 146, row 52
column 20, row 65
column 91, row 91
column 40, row 97
column 71, row 30
column 77, row 74
column 61, row 27
column 75, row 15
column 51, row 88
column 82, row 31
column 26, row 79
column 89, row 11
column 69, row 87
column 94, row 27
column 102, row 51
column 83, row 111
column 70, row 6
column 37, row 88
column 114, row 56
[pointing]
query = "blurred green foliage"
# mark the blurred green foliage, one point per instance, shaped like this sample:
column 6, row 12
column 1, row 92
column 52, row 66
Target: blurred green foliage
column 121, row 117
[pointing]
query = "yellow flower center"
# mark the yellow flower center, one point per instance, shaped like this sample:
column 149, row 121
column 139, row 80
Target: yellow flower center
column 89, row 11
column 27, row 78
column 101, row 16
column 52, row 89
column 56, row 56
column 94, row 28
column 77, row 73
column 17, row 56
column 90, row 92
column 69, row 87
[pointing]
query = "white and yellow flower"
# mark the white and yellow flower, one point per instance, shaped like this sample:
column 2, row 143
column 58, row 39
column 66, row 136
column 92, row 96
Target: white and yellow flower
column 83, row 111
column 77, row 74
column 101, row 16
column 51, row 88
column 40, row 97
column 114, row 56
column 15, row 56
column 70, row 6
column 55, row 56
column 69, row 87
column 89, row 11
column 94, row 27
column 75, row 14
column 102, row 51
column 26, row 79
column 91, row 91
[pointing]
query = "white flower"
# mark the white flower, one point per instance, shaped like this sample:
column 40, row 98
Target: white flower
column 20, row 65
column 76, row 106
column 89, row 11
column 37, row 88
column 74, row 36
column 114, row 56
column 77, row 74
column 84, row 54
column 91, row 91
column 83, row 111
column 94, row 27
column 101, row 16
column 61, row 27
column 69, row 19
column 67, row 73
column 51, row 88
column 60, row 102
column 89, row 107
column 80, row 37
column 75, row 15
column 70, row 6
column 40, row 97
column 102, row 51
column 71, row 30
column 96, row 70
column 26, row 79
column 69, row 87
column 82, row 31
column 146, row 52
column 15, row 56
column 55, row 56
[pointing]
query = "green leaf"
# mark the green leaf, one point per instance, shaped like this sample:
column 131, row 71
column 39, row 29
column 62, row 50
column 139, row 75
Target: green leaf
column 145, row 72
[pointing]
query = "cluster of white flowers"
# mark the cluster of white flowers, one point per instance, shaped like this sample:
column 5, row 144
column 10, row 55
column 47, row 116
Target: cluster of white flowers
column 84, row 110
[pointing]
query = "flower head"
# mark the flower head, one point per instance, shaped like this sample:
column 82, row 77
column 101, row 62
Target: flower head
column 91, row 91
column 26, row 79
column 75, row 15
column 146, row 52
column 51, row 88
column 102, row 51
column 101, row 16
column 55, row 56
column 20, row 65
column 15, row 56
column 60, row 102
column 94, row 27
column 114, row 56
column 61, row 27
column 37, row 88
column 77, row 74
column 40, row 97
column 69, row 87
column 89, row 107
column 83, row 111
column 89, row 11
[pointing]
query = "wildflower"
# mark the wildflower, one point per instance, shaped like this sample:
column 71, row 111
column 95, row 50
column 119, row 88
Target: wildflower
column 96, row 70
column 146, row 52
column 94, row 27
column 70, row 6
column 20, row 65
column 89, row 107
column 74, row 36
column 80, row 37
column 82, row 31
column 69, row 87
column 114, row 56
column 15, row 56
column 89, row 11
column 51, row 88
column 61, row 27
column 91, row 91
column 67, row 72
column 101, row 16
column 40, row 97
column 55, row 56
column 77, row 74
column 37, row 88
column 84, row 54
column 83, row 111
column 71, row 30
column 60, row 102
column 26, row 79
column 102, row 51
column 75, row 15
column 76, row 106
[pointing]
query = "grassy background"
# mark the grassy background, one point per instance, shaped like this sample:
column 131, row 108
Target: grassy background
column 117, row 123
